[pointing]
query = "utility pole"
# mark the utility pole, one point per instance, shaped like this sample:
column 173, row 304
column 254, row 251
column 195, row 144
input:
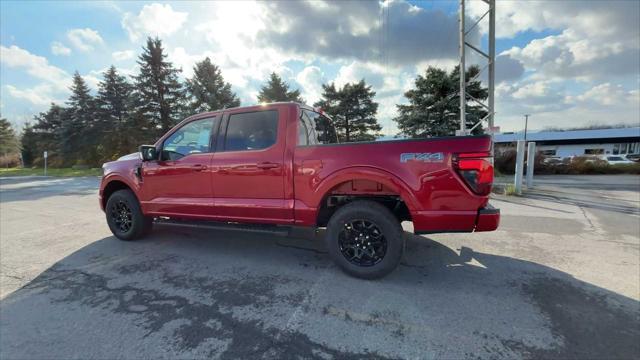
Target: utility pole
column 531, row 161
column 463, row 84
column 517, row 179
column 490, row 64
column 526, row 122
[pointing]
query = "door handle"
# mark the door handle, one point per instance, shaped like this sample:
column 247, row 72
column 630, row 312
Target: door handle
column 198, row 167
column 267, row 165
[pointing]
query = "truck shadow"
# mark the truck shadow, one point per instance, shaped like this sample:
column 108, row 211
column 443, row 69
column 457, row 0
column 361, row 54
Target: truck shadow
column 192, row 293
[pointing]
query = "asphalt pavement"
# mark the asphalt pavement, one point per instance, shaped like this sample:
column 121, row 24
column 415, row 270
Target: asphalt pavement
column 559, row 279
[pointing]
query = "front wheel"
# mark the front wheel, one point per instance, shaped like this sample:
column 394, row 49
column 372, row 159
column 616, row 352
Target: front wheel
column 125, row 218
column 365, row 239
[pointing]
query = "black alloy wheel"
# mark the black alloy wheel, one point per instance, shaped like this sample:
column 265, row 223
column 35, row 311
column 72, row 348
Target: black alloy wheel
column 362, row 243
column 365, row 239
column 122, row 216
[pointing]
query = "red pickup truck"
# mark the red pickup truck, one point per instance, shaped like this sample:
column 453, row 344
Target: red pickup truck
column 274, row 166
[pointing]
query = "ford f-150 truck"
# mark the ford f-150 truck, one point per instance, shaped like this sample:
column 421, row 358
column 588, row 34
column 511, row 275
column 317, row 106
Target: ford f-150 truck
column 274, row 166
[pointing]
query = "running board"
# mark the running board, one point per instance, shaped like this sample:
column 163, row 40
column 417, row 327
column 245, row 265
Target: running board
column 214, row 225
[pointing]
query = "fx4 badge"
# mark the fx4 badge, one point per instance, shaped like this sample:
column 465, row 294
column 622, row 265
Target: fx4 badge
column 424, row 157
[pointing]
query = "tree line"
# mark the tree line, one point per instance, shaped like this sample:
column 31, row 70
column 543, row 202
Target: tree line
column 126, row 112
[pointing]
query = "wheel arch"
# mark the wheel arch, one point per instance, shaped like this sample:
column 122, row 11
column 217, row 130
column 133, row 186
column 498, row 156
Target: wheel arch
column 389, row 190
column 114, row 185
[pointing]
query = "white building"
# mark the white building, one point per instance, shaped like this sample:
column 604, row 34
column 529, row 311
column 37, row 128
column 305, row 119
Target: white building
column 620, row 141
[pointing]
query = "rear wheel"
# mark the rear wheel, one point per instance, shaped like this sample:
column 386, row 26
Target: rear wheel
column 365, row 239
column 124, row 216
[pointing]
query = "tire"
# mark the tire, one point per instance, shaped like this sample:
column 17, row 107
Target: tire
column 351, row 224
column 125, row 218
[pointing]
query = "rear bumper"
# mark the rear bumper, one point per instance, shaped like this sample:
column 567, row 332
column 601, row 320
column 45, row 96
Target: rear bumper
column 429, row 222
column 488, row 219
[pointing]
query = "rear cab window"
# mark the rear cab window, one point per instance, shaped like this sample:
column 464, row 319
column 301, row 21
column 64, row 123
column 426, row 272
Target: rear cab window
column 251, row 131
column 315, row 129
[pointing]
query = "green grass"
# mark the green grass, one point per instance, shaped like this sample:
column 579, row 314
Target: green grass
column 51, row 172
column 510, row 190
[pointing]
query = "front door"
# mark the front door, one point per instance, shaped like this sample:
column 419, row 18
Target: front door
column 248, row 169
column 179, row 182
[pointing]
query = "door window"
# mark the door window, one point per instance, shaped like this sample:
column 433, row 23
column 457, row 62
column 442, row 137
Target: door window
column 251, row 131
column 318, row 128
column 303, row 132
column 192, row 138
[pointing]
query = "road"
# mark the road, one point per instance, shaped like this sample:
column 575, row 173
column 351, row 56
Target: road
column 559, row 279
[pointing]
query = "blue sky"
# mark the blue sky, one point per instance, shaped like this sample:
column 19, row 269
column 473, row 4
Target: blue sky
column 568, row 63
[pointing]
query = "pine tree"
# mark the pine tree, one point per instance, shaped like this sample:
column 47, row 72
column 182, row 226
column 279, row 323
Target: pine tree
column 78, row 124
column 277, row 90
column 352, row 109
column 113, row 102
column 207, row 89
column 8, row 138
column 433, row 108
column 28, row 145
column 46, row 134
column 160, row 95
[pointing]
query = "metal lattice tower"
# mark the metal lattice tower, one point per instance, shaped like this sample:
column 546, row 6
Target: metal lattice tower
column 489, row 106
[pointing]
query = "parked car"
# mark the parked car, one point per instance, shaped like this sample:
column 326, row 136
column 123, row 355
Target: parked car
column 633, row 157
column 615, row 159
column 271, row 167
column 554, row 161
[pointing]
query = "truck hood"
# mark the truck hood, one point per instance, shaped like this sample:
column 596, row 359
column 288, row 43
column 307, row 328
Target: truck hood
column 124, row 164
column 132, row 156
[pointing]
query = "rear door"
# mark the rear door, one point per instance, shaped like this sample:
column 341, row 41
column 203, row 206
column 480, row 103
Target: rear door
column 248, row 167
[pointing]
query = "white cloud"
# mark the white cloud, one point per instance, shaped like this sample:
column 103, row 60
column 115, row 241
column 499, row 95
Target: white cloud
column 231, row 32
column 93, row 78
column 84, row 39
column 573, row 55
column 185, row 61
column 153, row 20
column 123, row 55
column 38, row 95
column 36, row 66
column 596, row 39
column 552, row 105
column 311, row 79
column 595, row 42
column 57, row 48
column 598, row 17
column 532, row 90
column 394, row 32
column 606, row 94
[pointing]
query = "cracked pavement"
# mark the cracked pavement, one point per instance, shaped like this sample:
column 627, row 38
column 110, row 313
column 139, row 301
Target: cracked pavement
column 559, row 279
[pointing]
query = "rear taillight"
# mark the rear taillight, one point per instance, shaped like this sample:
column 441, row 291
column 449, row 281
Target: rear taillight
column 476, row 169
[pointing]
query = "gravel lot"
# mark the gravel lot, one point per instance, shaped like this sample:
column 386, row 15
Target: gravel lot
column 559, row 279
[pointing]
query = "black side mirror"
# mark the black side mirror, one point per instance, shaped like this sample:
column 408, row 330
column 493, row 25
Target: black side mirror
column 148, row 152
